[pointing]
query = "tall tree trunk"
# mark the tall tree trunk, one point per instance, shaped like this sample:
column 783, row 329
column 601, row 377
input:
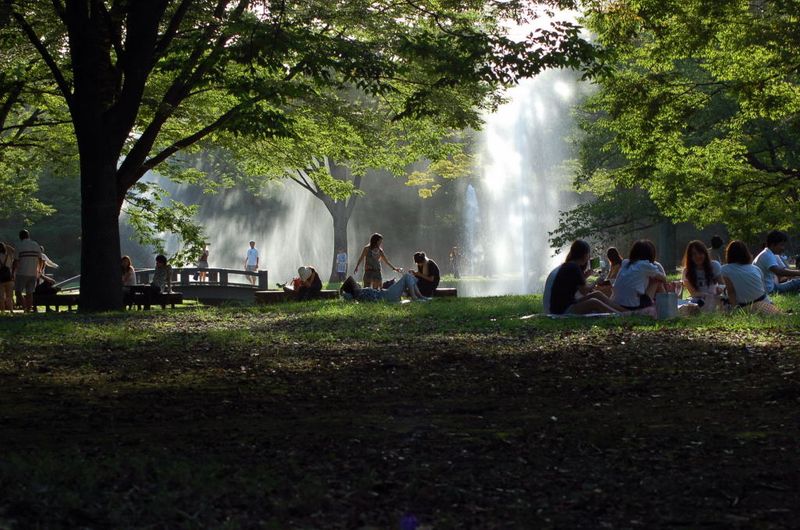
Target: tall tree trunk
column 341, row 212
column 101, row 282
column 341, row 218
column 667, row 249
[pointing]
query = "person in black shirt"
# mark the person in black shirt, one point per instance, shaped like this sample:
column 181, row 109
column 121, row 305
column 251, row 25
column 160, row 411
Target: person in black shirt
column 571, row 280
column 310, row 283
column 427, row 274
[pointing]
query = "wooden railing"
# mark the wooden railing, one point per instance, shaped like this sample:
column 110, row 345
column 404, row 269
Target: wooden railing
column 213, row 277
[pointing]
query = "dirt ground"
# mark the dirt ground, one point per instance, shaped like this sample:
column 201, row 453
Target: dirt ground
column 618, row 428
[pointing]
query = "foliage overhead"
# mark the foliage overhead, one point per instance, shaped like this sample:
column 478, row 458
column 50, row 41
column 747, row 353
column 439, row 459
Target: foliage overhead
column 699, row 105
column 143, row 81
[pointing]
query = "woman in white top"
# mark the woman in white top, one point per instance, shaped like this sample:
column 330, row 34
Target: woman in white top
column 744, row 281
column 639, row 277
column 128, row 272
column 701, row 274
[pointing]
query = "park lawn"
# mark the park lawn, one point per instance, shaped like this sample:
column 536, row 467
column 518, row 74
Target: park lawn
column 455, row 412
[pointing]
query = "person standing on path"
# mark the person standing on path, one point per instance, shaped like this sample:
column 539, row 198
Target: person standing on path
column 27, row 269
column 202, row 264
column 251, row 262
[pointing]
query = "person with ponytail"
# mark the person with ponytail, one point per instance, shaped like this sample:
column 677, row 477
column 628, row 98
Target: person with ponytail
column 570, row 293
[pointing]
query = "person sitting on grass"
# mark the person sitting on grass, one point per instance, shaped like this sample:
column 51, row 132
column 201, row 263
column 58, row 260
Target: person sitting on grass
column 717, row 252
column 407, row 284
column 744, row 281
column 639, row 278
column 605, row 285
column 701, row 274
column 306, row 286
column 427, row 274
column 570, row 280
column 773, row 267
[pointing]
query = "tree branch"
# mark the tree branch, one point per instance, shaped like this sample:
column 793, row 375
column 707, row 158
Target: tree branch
column 191, row 73
column 60, row 10
column 48, row 59
column 172, row 27
column 351, row 201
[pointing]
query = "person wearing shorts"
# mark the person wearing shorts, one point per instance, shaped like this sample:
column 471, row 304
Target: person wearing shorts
column 26, row 272
column 251, row 262
column 372, row 255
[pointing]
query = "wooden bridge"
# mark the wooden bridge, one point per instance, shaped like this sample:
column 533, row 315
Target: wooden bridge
column 220, row 285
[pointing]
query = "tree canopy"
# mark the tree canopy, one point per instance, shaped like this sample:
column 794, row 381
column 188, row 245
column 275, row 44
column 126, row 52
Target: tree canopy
column 142, row 81
column 699, row 105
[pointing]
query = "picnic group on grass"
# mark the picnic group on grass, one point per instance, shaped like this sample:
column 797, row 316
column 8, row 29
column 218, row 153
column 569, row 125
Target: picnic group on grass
column 715, row 278
column 631, row 285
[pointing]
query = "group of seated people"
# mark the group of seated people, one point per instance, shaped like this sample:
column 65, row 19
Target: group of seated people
column 418, row 285
column 632, row 284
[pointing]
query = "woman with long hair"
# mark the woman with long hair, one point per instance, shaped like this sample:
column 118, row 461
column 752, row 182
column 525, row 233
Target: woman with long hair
column 639, row 277
column 372, row 255
column 744, row 281
column 614, row 263
column 128, row 272
column 570, row 293
column 701, row 274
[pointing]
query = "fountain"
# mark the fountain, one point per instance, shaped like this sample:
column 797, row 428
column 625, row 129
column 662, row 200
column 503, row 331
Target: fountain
column 524, row 179
column 289, row 225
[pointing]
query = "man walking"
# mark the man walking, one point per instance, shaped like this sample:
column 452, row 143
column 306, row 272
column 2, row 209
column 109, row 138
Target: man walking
column 251, row 262
column 26, row 269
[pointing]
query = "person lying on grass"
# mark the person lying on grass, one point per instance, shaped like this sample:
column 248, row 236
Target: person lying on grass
column 407, row 284
column 570, row 293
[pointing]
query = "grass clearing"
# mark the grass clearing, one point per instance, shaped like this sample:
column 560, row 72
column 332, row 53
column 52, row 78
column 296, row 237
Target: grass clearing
column 338, row 415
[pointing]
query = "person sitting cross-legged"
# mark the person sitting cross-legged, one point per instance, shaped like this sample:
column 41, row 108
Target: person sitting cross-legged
column 570, row 281
column 773, row 267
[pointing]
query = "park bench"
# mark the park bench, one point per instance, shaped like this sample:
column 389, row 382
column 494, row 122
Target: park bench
column 52, row 302
column 144, row 300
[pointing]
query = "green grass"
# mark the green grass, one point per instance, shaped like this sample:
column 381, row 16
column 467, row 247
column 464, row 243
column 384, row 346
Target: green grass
column 330, row 414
